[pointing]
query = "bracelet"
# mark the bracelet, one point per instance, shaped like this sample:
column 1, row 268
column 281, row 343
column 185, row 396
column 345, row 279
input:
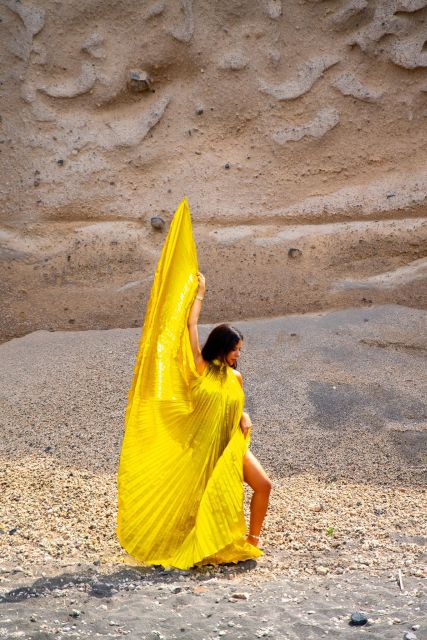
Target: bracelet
column 199, row 298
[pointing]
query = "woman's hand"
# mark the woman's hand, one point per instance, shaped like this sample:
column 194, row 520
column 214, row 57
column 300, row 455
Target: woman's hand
column 202, row 284
column 245, row 423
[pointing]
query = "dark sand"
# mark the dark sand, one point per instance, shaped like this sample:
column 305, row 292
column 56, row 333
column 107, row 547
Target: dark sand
column 153, row 604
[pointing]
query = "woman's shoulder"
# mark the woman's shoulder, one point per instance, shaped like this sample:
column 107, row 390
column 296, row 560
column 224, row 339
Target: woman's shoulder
column 238, row 376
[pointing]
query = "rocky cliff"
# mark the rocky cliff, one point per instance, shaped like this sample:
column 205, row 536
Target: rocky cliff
column 297, row 130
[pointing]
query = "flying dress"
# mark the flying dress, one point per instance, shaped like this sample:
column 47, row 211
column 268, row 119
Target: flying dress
column 180, row 477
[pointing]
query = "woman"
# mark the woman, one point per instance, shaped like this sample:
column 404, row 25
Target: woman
column 225, row 343
column 185, row 453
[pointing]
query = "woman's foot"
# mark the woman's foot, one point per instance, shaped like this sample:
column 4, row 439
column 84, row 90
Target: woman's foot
column 253, row 540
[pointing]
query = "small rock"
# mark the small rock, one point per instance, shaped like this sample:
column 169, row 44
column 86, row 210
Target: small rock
column 138, row 81
column 358, row 619
column 102, row 590
column 240, row 595
column 199, row 111
column 75, row 613
column 321, row 571
column 199, row 589
column 157, row 222
column 227, row 165
column 60, row 162
column 409, row 636
column 415, row 627
column 294, row 253
column 315, row 506
column 176, row 589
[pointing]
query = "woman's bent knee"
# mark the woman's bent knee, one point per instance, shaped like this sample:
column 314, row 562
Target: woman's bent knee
column 264, row 486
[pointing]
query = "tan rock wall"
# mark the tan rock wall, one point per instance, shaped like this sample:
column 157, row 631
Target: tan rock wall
column 287, row 125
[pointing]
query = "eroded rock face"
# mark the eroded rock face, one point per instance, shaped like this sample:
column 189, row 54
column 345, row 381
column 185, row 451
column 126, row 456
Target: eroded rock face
column 314, row 126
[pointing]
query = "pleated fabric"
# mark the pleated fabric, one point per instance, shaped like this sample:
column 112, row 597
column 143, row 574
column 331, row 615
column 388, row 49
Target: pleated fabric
column 180, row 477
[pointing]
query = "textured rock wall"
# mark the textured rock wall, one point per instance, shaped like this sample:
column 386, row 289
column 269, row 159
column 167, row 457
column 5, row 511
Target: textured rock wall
column 288, row 125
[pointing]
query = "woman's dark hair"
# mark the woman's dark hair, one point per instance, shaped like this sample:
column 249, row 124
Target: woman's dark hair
column 220, row 341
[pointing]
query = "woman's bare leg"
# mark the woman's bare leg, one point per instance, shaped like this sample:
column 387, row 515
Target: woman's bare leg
column 258, row 480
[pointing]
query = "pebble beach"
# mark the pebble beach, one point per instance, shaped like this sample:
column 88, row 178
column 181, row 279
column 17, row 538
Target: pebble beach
column 337, row 402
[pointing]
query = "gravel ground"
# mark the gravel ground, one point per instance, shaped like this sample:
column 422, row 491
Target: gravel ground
column 153, row 604
column 338, row 407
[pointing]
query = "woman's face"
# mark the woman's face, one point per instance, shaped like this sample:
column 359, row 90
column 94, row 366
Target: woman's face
column 232, row 356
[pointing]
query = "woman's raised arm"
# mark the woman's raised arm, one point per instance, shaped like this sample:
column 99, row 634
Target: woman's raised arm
column 193, row 318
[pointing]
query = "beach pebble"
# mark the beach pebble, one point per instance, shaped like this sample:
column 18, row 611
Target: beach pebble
column 409, row 636
column 240, row 595
column 101, row 589
column 322, row 571
column 358, row 619
column 75, row 613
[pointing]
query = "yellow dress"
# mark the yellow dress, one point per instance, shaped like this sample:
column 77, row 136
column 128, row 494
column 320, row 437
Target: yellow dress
column 180, row 477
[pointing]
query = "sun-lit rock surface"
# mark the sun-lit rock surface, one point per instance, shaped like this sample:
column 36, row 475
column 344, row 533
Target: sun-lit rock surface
column 267, row 114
